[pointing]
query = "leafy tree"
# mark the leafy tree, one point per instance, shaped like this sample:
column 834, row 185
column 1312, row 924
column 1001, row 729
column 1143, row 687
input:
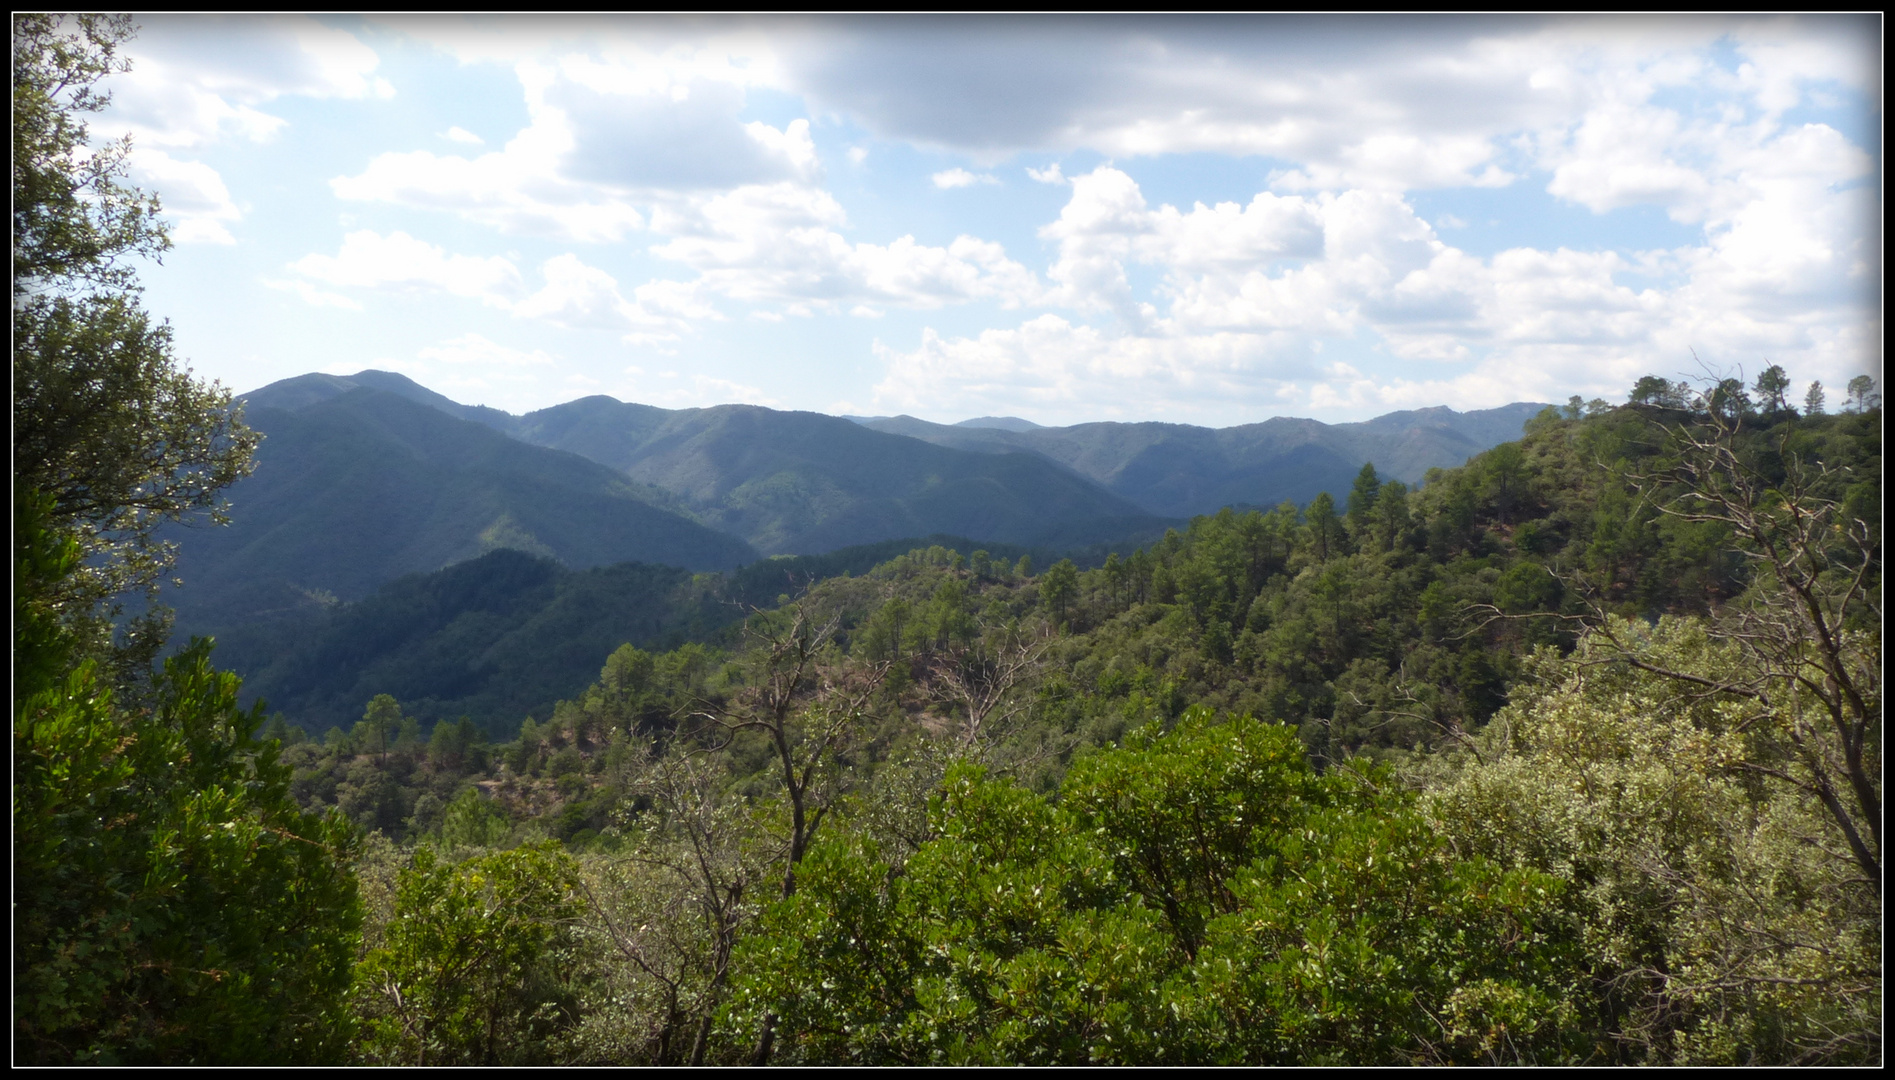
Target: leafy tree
column 471, row 821
column 1362, row 500
column 1813, row 401
column 1862, row 395
column 1059, row 585
column 1810, row 627
column 1772, row 383
column 1324, row 528
column 1725, row 920
column 383, row 720
column 1198, row 896
column 104, row 420
column 171, row 902
column 1505, row 467
column 1655, row 392
column 478, row 966
column 1728, row 400
column 674, row 908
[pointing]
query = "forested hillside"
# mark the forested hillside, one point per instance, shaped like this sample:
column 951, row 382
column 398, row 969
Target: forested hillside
column 1490, row 768
column 1570, row 755
column 508, row 634
column 804, row 483
column 353, row 491
column 787, row 482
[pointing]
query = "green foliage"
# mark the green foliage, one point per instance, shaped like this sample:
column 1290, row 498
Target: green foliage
column 494, row 639
column 478, row 966
column 105, row 423
column 171, row 902
column 1723, row 915
column 72, row 215
column 1266, row 931
column 1181, row 812
column 1863, row 395
column 1620, row 865
column 1058, row 586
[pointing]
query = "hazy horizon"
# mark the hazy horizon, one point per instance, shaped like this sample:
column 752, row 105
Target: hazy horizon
column 964, row 422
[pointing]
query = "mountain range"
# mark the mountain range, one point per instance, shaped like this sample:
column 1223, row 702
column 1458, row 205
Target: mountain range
column 1176, row 470
column 365, row 478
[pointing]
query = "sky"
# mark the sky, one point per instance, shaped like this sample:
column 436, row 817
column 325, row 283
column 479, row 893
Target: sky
column 1198, row 220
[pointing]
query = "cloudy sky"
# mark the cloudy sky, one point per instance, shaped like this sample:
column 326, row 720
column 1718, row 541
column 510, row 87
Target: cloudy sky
column 1209, row 221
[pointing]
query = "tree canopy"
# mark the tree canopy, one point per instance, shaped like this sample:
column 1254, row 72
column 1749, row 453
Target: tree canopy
column 106, row 422
column 172, row 902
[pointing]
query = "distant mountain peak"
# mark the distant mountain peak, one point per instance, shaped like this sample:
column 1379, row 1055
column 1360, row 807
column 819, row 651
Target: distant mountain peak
column 1004, row 423
column 296, row 394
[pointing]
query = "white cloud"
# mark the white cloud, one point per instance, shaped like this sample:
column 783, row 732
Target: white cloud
column 471, row 349
column 581, row 297
column 697, row 392
column 368, row 260
column 313, row 296
column 960, row 178
column 858, row 154
column 1048, row 175
column 198, row 79
column 573, row 295
column 462, row 135
column 513, row 190
column 193, row 196
column 1252, row 294
column 611, row 129
column 779, row 244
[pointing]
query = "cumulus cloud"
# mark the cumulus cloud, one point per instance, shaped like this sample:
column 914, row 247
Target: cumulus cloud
column 573, row 295
column 192, row 193
column 472, row 367
column 515, row 189
column 196, row 79
column 611, row 129
column 581, row 297
column 1251, row 295
column 779, row 244
column 1385, row 103
column 1323, row 290
column 368, row 260
column 960, row 178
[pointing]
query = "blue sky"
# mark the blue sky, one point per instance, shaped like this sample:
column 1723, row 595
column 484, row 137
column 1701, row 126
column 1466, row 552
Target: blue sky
column 1201, row 220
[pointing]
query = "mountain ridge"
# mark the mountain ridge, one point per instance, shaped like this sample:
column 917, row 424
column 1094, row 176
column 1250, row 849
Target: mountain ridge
column 1157, row 469
column 357, row 488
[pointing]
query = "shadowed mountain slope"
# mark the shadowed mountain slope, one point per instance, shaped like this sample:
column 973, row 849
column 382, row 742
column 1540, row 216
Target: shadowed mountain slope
column 506, row 635
column 356, row 488
column 797, row 482
column 793, row 482
column 800, row 482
